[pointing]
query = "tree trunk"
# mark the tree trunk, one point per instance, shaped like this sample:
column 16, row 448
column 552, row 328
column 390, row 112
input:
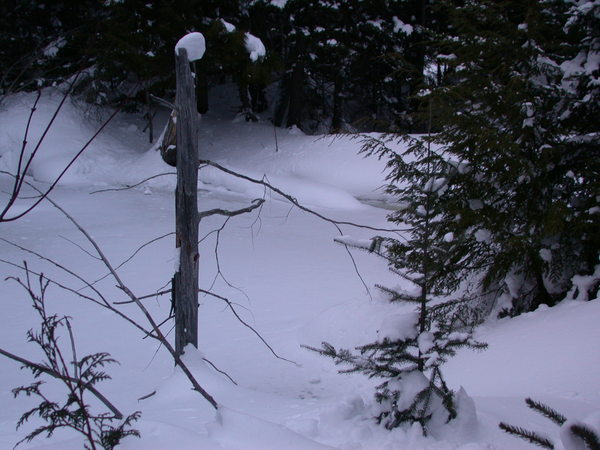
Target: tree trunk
column 296, row 93
column 149, row 116
column 338, row 108
column 186, row 209
column 201, row 86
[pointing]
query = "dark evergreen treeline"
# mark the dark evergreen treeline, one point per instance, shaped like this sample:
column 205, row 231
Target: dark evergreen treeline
column 337, row 65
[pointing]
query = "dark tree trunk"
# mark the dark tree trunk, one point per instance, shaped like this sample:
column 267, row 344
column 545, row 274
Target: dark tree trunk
column 338, row 108
column 201, row 87
column 296, row 96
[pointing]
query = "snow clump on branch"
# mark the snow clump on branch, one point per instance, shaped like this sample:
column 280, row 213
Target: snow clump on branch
column 255, row 47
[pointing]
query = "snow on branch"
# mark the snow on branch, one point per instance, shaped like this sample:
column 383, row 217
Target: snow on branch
column 256, row 49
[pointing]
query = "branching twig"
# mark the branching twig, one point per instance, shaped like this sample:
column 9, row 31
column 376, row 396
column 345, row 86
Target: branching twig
column 230, row 305
column 218, row 262
column 145, row 244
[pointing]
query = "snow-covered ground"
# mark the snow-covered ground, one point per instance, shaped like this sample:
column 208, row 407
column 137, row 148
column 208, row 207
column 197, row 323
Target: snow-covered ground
column 285, row 274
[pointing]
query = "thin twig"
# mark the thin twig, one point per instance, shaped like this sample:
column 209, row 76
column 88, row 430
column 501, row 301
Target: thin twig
column 145, row 244
column 131, row 186
column 103, row 303
column 218, row 263
column 121, row 285
column 79, row 247
column 230, row 305
column 219, row 370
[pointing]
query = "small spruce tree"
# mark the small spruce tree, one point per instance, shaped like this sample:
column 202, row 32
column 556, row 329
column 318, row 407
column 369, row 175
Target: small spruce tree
column 411, row 348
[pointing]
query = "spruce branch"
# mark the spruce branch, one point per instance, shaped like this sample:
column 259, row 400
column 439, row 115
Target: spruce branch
column 546, row 411
column 587, row 435
column 530, row 436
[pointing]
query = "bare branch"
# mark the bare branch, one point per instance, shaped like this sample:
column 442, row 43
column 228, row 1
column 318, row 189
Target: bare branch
column 23, row 169
column 70, row 241
column 218, row 262
column 163, row 102
column 230, row 305
column 145, row 244
column 219, row 370
column 102, row 302
column 127, row 187
column 293, row 200
column 143, row 297
column 256, row 203
column 121, row 285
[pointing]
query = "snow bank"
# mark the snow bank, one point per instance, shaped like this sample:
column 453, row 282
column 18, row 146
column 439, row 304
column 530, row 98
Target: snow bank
column 302, row 288
column 106, row 160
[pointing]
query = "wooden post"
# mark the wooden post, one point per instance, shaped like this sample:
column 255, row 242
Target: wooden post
column 185, row 281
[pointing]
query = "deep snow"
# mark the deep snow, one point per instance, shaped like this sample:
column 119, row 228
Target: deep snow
column 289, row 280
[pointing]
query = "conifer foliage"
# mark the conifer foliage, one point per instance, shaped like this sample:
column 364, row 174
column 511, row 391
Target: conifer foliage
column 79, row 377
column 519, row 119
column 576, row 434
column 412, row 347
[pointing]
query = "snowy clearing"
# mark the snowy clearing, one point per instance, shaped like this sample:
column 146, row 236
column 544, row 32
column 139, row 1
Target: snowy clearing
column 288, row 278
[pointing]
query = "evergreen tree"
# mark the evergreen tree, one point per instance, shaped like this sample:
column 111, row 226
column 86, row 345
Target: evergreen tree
column 43, row 42
column 525, row 196
column 348, row 65
column 411, row 348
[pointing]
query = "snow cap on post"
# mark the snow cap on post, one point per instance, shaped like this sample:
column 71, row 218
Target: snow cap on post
column 194, row 44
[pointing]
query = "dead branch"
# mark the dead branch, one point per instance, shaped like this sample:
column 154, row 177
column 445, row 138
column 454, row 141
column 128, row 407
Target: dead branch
column 163, row 102
column 256, row 203
column 131, row 186
column 231, row 307
column 222, row 372
column 218, row 262
column 103, row 302
column 121, row 285
column 250, row 327
column 24, row 166
column 140, row 248
column 293, row 200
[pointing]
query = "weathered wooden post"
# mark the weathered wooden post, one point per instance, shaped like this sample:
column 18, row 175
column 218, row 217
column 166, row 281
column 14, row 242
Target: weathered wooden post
column 185, row 281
